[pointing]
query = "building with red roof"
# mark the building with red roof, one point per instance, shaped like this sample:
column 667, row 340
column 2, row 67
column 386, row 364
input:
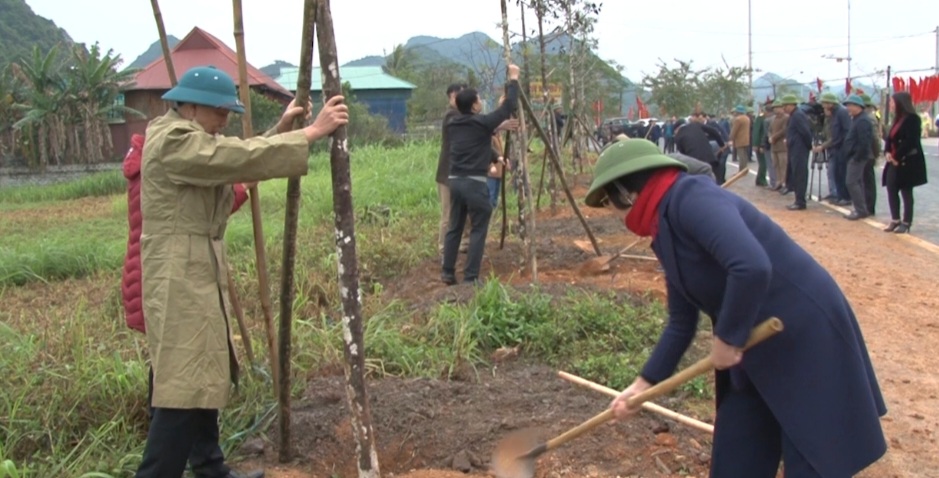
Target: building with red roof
column 198, row 48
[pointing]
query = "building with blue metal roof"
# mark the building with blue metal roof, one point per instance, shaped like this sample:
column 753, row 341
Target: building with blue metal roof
column 384, row 94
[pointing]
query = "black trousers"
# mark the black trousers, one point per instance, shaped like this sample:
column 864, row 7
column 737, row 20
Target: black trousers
column 799, row 176
column 870, row 188
column 468, row 197
column 749, row 442
column 178, row 436
column 895, row 193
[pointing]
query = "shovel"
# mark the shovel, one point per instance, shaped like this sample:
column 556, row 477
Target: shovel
column 515, row 455
column 600, row 264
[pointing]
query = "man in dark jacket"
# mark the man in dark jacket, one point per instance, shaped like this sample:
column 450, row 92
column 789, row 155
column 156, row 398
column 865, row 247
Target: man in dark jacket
column 859, row 152
column 443, row 164
column 470, row 136
column 693, row 139
column 799, row 145
column 840, row 123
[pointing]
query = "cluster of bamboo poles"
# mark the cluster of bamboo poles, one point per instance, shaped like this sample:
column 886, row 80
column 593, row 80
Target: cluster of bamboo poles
column 317, row 18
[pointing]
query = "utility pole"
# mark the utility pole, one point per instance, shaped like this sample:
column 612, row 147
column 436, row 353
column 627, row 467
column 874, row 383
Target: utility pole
column 935, row 105
column 849, row 40
column 750, row 47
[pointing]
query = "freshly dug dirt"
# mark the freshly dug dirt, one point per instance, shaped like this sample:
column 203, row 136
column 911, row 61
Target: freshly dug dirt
column 426, row 427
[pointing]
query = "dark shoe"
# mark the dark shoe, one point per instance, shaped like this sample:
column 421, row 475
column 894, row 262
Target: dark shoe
column 796, row 207
column 854, row 216
column 892, row 226
column 785, row 191
column 253, row 474
column 842, row 202
column 903, row 228
column 448, row 279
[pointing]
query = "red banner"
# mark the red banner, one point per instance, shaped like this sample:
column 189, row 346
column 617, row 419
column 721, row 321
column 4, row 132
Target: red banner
column 922, row 90
column 818, row 83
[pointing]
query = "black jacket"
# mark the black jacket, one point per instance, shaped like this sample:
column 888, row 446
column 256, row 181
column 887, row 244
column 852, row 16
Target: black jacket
column 907, row 148
column 859, row 143
column 471, row 137
column 693, row 139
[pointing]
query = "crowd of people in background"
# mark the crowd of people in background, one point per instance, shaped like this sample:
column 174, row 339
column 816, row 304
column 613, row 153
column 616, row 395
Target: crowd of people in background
column 790, row 140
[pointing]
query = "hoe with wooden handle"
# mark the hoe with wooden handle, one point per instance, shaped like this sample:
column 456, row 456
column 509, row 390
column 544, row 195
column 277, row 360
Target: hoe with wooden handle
column 515, row 455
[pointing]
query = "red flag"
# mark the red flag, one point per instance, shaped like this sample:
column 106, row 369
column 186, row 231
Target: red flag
column 914, row 90
column 818, row 82
column 847, row 86
column 933, row 88
column 897, row 84
column 643, row 111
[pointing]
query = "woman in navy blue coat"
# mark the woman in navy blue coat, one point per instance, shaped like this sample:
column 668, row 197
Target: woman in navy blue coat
column 807, row 396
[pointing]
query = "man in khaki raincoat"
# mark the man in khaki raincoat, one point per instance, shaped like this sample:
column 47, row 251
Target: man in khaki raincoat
column 186, row 197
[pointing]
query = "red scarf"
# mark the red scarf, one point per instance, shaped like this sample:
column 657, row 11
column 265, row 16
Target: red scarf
column 643, row 217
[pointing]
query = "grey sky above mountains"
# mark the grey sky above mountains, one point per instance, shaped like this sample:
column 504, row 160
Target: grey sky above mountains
column 789, row 39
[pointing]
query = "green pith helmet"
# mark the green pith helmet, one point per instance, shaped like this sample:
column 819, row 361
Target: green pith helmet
column 789, row 99
column 867, row 100
column 854, row 100
column 622, row 158
column 777, row 103
column 207, row 86
column 829, row 97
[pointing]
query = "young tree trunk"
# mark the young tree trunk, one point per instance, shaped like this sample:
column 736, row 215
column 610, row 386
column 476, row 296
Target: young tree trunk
column 291, row 214
column 557, row 164
column 577, row 152
column 352, row 324
column 526, row 216
column 548, row 102
column 260, row 253
column 526, row 74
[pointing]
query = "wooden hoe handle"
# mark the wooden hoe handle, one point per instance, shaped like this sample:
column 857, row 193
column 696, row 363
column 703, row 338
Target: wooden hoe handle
column 762, row 332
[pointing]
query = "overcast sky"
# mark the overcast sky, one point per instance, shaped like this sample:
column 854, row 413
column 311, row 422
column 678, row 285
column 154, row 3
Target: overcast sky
column 789, row 38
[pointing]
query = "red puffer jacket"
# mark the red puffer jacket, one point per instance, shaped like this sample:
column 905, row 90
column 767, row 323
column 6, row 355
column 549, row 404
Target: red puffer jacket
column 131, row 289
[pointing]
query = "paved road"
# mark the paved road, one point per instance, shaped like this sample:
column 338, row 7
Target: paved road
column 926, row 212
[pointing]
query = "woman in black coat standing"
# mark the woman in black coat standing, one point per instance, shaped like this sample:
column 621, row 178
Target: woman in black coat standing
column 906, row 163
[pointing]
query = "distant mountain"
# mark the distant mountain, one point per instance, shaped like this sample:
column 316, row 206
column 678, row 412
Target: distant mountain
column 21, row 29
column 273, row 70
column 770, row 85
column 371, row 60
column 154, row 52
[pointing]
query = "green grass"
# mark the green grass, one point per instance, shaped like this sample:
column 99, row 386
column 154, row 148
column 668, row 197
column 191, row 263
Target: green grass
column 94, row 185
column 73, row 400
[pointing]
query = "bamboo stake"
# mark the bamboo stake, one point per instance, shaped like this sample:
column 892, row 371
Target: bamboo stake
column 232, row 292
column 260, row 253
column 291, row 213
column 648, row 406
column 352, row 322
column 240, row 316
column 158, row 15
column 560, row 174
column 505, row 211
column 526, row 214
